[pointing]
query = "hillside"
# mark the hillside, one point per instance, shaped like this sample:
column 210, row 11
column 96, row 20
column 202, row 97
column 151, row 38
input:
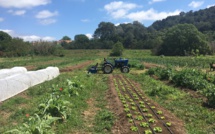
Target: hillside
column 204, row 20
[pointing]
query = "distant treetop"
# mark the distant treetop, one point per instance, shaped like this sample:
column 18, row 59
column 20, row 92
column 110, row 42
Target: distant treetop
column 66, row 38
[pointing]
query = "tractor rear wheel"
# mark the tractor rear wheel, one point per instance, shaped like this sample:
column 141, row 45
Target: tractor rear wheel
column 107, row 69
column 125, row 69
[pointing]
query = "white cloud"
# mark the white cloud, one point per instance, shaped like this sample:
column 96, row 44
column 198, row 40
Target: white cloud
column 46, row 14
column 10, row 32
column 154, row 1
column 119, row 9
column 23, row 3
column 1, row 19
column 47, row 21
column 195, row 4
column 28, row 37
column 37, row 38
column 150, row 14
column 90, row 36
column 18, row 12
column 48, row 38
column 210, row 6
column 119, row 13
column 122, row 10
column 45, row 17
column 116, row 5
column 85, row 20
column 117, row 24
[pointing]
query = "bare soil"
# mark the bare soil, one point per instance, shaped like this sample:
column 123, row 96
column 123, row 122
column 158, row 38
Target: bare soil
column 77, row 66
column 150, row 65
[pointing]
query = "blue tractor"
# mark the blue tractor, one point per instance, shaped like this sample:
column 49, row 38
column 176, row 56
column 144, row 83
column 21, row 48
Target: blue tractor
column 107, row 67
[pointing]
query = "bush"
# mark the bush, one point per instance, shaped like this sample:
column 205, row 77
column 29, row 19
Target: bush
column 117, row 49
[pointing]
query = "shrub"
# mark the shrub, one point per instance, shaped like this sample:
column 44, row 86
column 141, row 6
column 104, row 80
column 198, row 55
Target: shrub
column 117, row 49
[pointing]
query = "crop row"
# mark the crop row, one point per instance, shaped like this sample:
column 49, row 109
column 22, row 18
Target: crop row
column 141, row 114
column 199, row 62
column 189, row 78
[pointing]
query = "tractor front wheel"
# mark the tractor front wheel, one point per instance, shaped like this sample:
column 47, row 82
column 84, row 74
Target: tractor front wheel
column 107, row 69
column 125, row 69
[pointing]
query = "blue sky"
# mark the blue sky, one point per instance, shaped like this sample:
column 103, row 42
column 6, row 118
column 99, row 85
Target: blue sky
column 52, row 19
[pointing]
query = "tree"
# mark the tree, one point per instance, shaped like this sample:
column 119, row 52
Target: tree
column 18, row 47
column 66, row 38
column 5, row 39
column 81, row 41
column 4, row 36
column 117, row 49
column 183, row 38
column 105, row 31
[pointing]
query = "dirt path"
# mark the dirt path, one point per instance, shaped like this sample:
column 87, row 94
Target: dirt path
column 122, row 125
column 77, row 66
column 148, row 65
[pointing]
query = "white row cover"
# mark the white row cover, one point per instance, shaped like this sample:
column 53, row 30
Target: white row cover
column 15, row 70
column 17, row 83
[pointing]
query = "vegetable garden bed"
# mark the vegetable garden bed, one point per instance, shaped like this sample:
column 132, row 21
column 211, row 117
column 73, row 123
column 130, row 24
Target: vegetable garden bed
column 139, row 114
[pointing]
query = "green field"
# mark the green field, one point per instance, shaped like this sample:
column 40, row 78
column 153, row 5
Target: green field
column 82, row 106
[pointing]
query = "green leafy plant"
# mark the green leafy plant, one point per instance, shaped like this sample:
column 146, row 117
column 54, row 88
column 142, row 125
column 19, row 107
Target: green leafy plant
column 162, row 117
column 36, row 125
column 136, row 98
column 142, row 106
column 123, row 101
column 144, row 124
column 151, row 120
column 148, row 132
column 137, row 113
column 133, row 128
column 153, row 107
column 159, row 112
column 139, row 118
column 132, row 103
column 149, row 115
column 145, row 110
column 129, row 115
column 141, row 102
column 133, row 108
column 56, row 107
column 130, row 121
column 125, row 105
column 168, row 124
column 157, row 129
column 126, row 110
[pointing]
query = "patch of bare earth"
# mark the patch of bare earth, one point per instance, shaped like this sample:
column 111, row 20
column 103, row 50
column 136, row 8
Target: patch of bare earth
column 150, row 65
column 30, row 67
column 77, row 66
column 33, row 67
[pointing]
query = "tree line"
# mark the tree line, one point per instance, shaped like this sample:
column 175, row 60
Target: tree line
column 191, row 33
column 15, row 47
